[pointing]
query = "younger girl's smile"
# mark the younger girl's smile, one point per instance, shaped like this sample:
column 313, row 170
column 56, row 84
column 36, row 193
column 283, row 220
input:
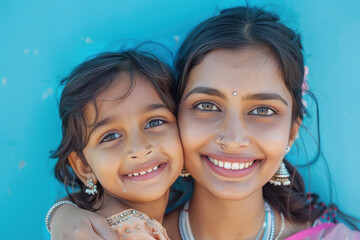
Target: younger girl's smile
column 134, row 150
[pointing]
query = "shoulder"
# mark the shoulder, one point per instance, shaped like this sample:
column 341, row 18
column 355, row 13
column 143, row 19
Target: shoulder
column 328, row 231
column 171, row 223
column 340, row 231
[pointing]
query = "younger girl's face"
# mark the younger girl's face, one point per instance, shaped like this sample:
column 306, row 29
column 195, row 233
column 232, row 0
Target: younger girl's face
column 235, row 121
column 134, row 148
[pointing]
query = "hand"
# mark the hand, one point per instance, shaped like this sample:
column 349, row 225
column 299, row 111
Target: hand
column 71, row 223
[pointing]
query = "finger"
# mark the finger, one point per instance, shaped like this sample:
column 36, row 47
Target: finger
column 103, row 230
column 77, row 235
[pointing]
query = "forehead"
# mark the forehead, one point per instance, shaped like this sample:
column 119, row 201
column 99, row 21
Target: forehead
column 251, row 68
column 124, row 97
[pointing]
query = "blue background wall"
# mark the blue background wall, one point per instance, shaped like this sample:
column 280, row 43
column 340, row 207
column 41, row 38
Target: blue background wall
column 41, row 41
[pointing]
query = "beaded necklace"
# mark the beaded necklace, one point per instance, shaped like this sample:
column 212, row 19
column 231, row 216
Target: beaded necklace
column 268, row 226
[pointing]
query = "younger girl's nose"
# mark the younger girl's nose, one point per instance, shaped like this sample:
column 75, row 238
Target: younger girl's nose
column 139, row 147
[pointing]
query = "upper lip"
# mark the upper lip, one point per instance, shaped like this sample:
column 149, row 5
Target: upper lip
column 233, row 158
column 144, row 167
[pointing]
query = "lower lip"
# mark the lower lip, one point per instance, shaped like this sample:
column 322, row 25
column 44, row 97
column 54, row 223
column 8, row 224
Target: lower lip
column 149, row 175
column 228, row 172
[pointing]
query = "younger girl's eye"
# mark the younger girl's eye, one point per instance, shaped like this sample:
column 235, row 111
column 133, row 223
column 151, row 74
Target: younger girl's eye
column 110, row 137
column 262, row 111
column 206, row 106
column 154, row 123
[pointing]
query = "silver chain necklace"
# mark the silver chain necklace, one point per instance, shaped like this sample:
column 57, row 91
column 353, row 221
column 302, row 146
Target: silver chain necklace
column 268, row 226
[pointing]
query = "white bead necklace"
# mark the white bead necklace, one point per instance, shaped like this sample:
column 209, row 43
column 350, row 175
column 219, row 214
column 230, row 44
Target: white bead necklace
column 268, row 225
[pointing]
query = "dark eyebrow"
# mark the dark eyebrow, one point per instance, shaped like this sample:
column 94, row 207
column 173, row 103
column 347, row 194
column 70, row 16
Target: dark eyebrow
column 105, row 121
column 265, row 96
column 100, row 124
column 205, row 90
column 156, row 106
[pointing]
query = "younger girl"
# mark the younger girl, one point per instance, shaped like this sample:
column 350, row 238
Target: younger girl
column 121, row 140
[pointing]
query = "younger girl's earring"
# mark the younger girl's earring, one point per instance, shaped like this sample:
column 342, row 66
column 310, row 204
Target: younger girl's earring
column 281, row 176
column 184, row 173
column 91, row 187
column 287, row 149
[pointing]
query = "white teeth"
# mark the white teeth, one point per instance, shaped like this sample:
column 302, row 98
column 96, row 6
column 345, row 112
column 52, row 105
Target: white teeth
column 143, row 172
column 231, row 165
column 227, row 165
column 235, row 166
column 242, row 165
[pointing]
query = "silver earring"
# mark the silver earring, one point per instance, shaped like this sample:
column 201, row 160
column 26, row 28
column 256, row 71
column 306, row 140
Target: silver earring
column 234, row 93
column 287, row 149
column 184, row 173
column 91, row 187
column 281, row 176
column 220, row 138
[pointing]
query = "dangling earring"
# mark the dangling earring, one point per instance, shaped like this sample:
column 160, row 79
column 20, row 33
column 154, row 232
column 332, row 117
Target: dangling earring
column 282, row 175
column 184, row 173
column 287, row 149
column 91, row 187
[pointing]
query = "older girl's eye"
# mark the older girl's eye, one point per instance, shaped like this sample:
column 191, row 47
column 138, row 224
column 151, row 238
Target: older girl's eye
column 110, row 137
column 262, row 111
column 206, row 106
column 154, row 123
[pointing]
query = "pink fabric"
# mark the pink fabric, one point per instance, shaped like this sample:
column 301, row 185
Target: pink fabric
column 326, row 231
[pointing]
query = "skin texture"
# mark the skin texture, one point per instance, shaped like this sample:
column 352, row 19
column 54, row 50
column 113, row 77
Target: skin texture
column 131, row 135
column 255, row 124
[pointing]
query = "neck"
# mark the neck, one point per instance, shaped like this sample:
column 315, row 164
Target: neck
column 154, row 209
column 215, row 218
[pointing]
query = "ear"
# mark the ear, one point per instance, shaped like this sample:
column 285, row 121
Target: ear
column 81, row 169
column 294, row 131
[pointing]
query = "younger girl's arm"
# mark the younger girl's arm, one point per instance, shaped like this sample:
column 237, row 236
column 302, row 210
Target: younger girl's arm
column 70, row 223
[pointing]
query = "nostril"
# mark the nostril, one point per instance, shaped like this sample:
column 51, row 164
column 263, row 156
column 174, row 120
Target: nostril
column 149, row 152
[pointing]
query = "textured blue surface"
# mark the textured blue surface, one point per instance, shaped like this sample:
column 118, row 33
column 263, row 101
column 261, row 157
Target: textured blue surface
column 41, row 41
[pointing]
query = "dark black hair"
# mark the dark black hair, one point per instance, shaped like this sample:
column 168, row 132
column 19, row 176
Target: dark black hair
column 84, row 84
column 239, row 28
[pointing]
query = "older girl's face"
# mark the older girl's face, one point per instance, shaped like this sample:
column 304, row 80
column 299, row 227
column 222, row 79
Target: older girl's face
column 235, row 121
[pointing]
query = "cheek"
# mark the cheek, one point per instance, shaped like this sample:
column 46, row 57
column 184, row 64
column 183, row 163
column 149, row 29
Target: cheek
column 195, row 132
column 104, row 161
column 272, row 138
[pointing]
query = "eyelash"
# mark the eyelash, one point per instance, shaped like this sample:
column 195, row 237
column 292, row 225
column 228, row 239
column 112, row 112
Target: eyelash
column 110, row 137
column 273, row 112
column 255, row 112
column 153, row 121
column 197, row 106
column 113, row 136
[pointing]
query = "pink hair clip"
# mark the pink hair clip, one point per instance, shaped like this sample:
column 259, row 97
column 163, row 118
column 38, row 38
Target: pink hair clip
column 305, row 85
